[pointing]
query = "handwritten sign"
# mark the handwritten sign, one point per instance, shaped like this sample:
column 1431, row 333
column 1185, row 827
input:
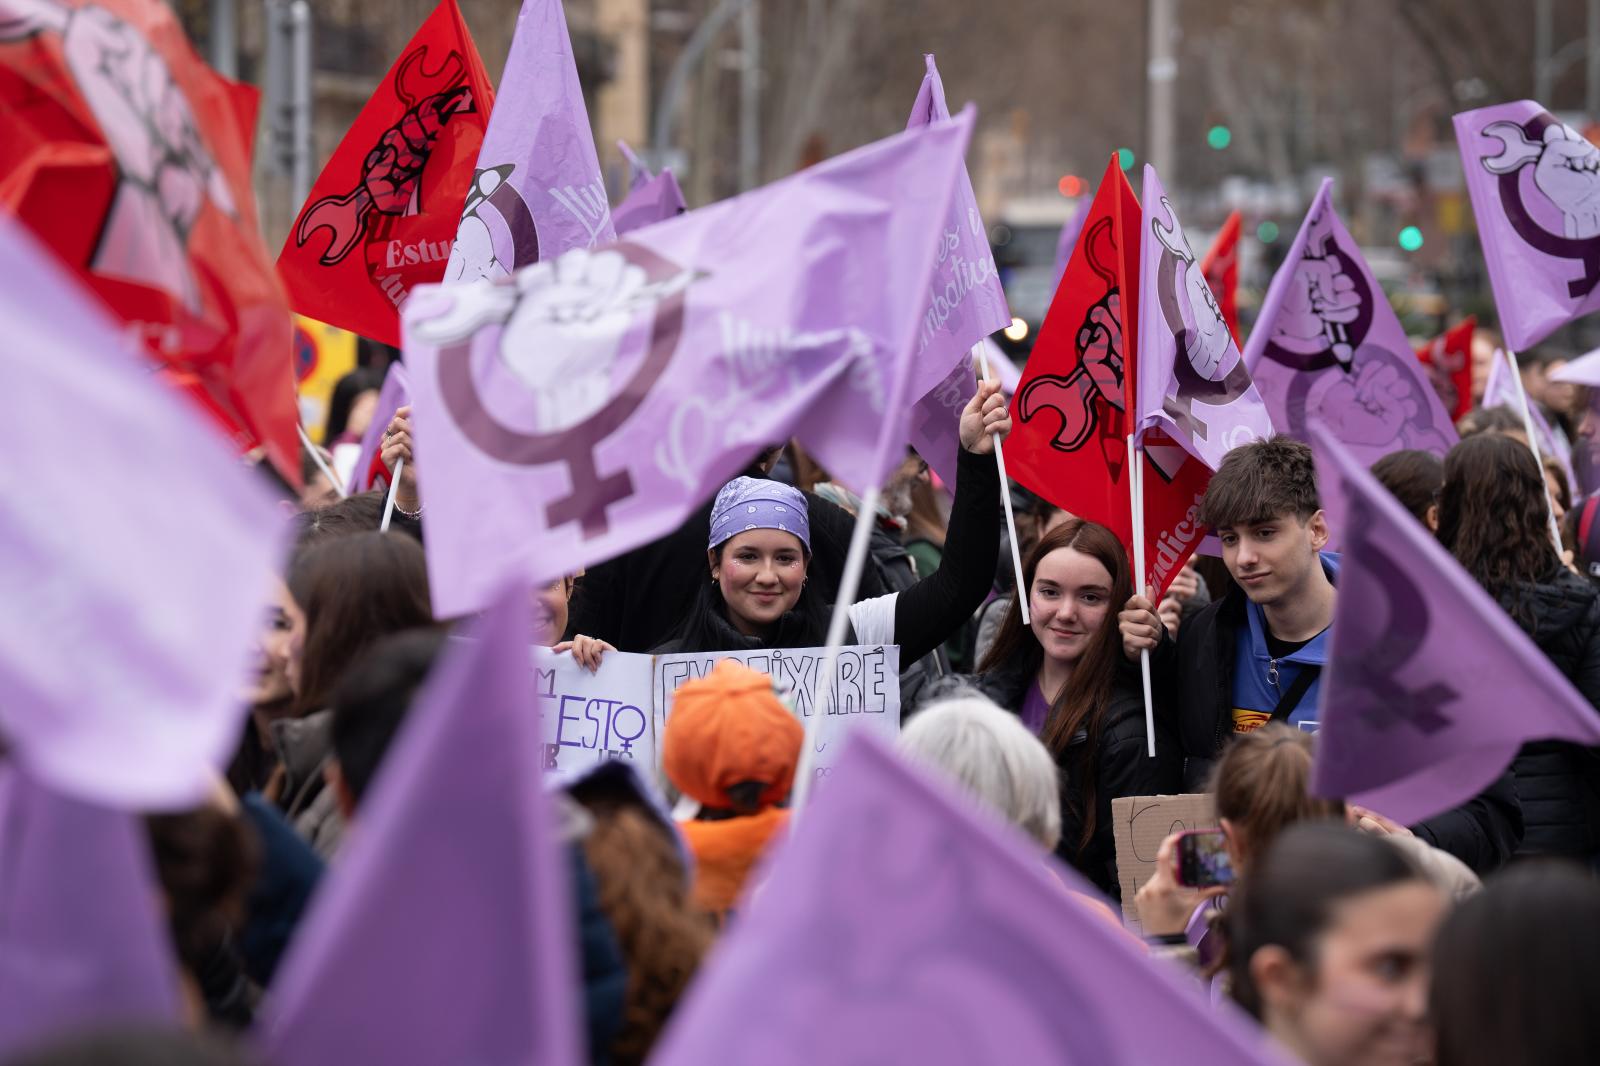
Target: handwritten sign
column 588, row 718
column 1138, row 826
column 621, row 710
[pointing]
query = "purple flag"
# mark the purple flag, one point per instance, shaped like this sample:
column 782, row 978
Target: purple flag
column 1535, row 189
column 650, row 201
column 638, row 172
column 1423, row 665
column 444, row 934
column 537, row 190
column 1328, row 349
column 901, row 925
column 965, row 304
column 1500, row 391
column 395, row 394
column 83, row 940
column 1584, row 370
column 1068, row 241
column 138, row 555
column 1192, row 381
column 588, row 404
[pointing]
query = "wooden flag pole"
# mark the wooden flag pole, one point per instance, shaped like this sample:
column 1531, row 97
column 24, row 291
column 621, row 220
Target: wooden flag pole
column 1533, row 443
column 1005, row 498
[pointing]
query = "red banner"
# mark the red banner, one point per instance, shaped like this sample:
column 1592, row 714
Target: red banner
column 1070, row 408
column 1448, row 358
column 125, row 154
column 383, row 214
column 1221, row 269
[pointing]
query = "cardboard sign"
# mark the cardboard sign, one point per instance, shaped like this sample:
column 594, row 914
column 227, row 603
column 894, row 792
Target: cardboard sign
column 588, row 718
column 1138, row 825
column 621, row 710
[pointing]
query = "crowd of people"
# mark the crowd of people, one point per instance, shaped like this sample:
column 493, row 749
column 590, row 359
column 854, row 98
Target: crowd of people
column 1350, row 938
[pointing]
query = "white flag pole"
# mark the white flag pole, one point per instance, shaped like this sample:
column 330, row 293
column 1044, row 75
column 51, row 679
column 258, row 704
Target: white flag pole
column 322, row 464
column 388, row 503
column 855, row 561
column 1136, row 494
column 1005, row 497
column 1533, row 443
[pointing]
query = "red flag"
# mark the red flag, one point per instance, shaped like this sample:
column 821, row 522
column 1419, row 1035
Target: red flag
column 383, row 214
column 1221, row 269
column 1448, row 358
column 124, row 153
column 1070, row 409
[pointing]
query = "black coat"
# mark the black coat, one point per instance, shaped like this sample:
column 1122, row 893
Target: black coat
column 1194, row 684
column 1559, row 782
column 1122, row 765
column 636, row 600
column 925, row 614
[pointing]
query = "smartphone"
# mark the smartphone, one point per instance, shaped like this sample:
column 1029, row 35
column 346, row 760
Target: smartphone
column 1203, row 860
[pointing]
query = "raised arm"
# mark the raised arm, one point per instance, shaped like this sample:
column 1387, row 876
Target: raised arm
column 928, row 612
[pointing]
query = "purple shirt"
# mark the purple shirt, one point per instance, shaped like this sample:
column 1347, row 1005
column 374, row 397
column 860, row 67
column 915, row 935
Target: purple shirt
column 1035, row 709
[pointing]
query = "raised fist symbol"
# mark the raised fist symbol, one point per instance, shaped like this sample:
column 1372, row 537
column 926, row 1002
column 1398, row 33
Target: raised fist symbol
column 1566, row 169
column 1372, row 407
column 1100, row 341
column 1209, row 341
column 1321, row 301
column 1099, row 374
column 393, row 169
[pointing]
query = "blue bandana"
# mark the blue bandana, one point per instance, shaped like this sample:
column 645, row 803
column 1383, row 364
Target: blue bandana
column 747, row 503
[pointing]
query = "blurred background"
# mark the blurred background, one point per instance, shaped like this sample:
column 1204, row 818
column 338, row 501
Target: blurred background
column 1241, row 104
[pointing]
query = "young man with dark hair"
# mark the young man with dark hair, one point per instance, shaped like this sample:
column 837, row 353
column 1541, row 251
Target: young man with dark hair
column 1256, row 655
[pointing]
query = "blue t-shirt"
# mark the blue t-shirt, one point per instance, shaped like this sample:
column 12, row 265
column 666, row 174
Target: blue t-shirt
column 1260, row 679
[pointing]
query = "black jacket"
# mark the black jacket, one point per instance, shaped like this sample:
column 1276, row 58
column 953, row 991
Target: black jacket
column 1559, row 782
column 924, row 615
column 1194, row 685
column 1121, row 765
column 636, row 600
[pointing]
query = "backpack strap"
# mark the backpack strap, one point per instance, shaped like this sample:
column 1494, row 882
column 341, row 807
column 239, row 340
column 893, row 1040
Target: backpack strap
column 1291, row 697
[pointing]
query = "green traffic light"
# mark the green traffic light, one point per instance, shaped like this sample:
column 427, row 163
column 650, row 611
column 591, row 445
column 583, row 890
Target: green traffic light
column 1219, row 137
column 1267, row 232
column 1410, row 238
column 1124, row 158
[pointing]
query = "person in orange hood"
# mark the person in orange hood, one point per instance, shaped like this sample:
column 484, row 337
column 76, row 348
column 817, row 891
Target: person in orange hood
column 731, row 746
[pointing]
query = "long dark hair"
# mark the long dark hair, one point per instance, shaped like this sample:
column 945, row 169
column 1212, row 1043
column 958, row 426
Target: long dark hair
column 361, row 379
column 1536, row 929
column 1082, row 703
column 707, row 626
column 1288, row 896
column 353, row 590
column 1493, row 516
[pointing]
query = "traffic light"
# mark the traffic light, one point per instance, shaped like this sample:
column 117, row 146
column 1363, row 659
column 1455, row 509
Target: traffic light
column 1219, row 137
column 1410, row 239
column 1071, row 185
column 1125, row 158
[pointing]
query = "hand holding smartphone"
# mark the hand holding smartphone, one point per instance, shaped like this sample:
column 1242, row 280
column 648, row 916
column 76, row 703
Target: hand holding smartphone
column 1203, row 859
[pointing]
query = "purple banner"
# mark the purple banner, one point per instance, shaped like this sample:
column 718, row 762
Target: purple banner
column 1535, row 189
column 1327, row 349
column 537, row 191
column 586, row 405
